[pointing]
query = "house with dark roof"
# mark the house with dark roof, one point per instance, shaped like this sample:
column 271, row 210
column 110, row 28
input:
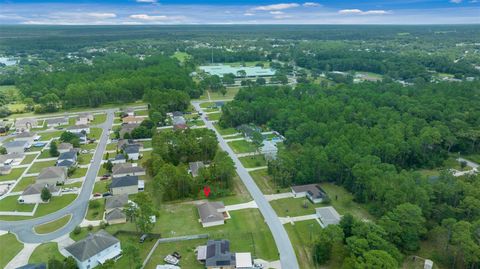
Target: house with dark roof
column 64, row 147
column 67, row 159
column 212, row 214
column 133, row 152
column 118, row 201
column 194, row 167
column 28, row 137
column 115, row 216
column 32, row 194
column 95, row 249
column 16, row 146
column 33, row 266
column 120, row 158
column 124, row 185
column 127, row 169
column 313, row 192
column 52, row 175
column 218, row 255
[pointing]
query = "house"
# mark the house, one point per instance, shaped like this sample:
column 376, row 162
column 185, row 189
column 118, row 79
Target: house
column 26, row 124
column 133, row 152
column 81, row 128
column 219, row 104
column 5, row 170
column 130, row 111
column 269, row 150
column 328, row 215
column 11, row 159
column 132, row 119
column 64, row 147
column 124, row 143
column 28, row 137
column 167, row 266
column 218, row 255
column 67, row 159
column 243, row 260
column 120, row 158
column 176, row 120
column 84, row 118
column 124, row 185
column 313, row 192
column 127, row 128
column 82, row 137
column 32, row 194
column 115, row 216
column 127, row 169
column 212, row 214
column 113, row 202
column 16, row 146
column 54, row 122
column 194, row 167
column 52, row 175
column 95, row 249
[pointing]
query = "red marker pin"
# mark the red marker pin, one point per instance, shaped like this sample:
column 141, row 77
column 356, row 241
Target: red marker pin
column 206, row 190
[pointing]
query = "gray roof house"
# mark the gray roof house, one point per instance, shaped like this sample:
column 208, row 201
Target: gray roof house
column 57, row 121
column 33, row 266
column 16, row 157
column 64, row 147
column 118, row 201
column 26, row 123
column 67, row 159
column 328, row 215
column 124, row 185
column 95, row 249
column 218, row 254
column 52, row 175
column 32, row 194
column 115, row 216
column 127, row 169
column 16, row 146
column 313, row 192
column 194, row 167
column 133, row 152
column 212, row 213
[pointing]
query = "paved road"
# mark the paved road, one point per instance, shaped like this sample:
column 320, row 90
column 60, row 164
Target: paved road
column 469, row 163
column 284, row 246
column 78, row 208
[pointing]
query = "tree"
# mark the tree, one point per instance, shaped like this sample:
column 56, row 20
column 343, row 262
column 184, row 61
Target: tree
column 228, row 79
column 108, row 166
column 54, row 149
column 327, row 237
column 3, row 150
column 376, row 259
column 131, row 212
column 45, row 195
column 223, row 169
column 145, row 212
column 261, row 81
column 133, row 254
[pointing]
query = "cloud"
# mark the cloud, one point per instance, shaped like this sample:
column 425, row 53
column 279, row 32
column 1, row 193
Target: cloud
column 155, row 18
column 360, row 12
column 277, row 12
column 456, row 1
column 248, row 14
column 310, row 4
column 276, row 7
column 281, row 17
column 146, row 1
column 101, row 15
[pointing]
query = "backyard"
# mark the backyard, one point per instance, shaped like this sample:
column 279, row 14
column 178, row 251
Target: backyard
column 45, row 252
column 37, row 167
column 23, row 183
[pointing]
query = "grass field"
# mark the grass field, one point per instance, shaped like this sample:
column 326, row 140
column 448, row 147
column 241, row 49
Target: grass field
column 49, row 135
column 225, row 131
column 99, row 118
column 265, row 183
column 181, row 56
column 85, row 158
column 38, row 166
column 89, row 146
column 185, row 248
column 24, row 182
column 96, row 213
column 101, row 186
column 29, row 158
column 45, row 252
column 45, row 155
column 253, row 161
column 95, row 133
column 143, row 112
column 214, row 116
column 53, row 225
column 231, row 92
column 10, row 204
column 242, row 146
column 343, row 202
column 302, row 236
column 55, row 204
column 10, row 248
column 79, row 172
column 14, row 175
column 293, row 207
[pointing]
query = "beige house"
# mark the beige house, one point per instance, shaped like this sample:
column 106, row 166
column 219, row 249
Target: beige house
column 212, row 214
column 52, row 175
column 124, row 185
column 127, row 169
column 32, row 194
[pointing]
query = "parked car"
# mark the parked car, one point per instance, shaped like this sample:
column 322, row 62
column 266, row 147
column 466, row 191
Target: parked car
column 176, row 255
column 97, row 194
column 106, row 194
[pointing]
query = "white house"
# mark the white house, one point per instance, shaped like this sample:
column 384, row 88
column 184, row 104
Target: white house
column 95, row 249
column 79, row 129
column 16, row 146
column 269, row 150
column 313, row 192
column 32, row 194
column 212, row 213
column 11, row 159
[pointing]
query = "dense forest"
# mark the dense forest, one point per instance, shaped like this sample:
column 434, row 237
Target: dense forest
column 371, row 138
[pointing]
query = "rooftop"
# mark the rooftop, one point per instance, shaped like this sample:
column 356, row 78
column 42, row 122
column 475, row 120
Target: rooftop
column 116, row 201
column 91, row 245
column 52, row 172
column 251, row 71
column 218, row 253
column 312, row 189
column 124, row 181
column 211, row 211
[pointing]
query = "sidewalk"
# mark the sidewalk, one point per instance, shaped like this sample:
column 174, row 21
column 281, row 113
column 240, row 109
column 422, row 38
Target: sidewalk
column 271, row 197
column 22, row 257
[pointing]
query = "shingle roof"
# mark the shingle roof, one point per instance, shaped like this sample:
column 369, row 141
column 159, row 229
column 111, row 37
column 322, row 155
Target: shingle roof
column 116, row 201
column 65, row 146
column 209, row 211
column 8, row 156
column 69, row 155
column 91, row 245
column 218, row 254
column 52, row 172
column 115, row 214
column 65, row 163
column 57, row 120
column 312, row 189
column 14, row 144
column 126, row 168
column 33, row 266
column 37, row 188
column 194, row 167
column 78, row 127
column 124, row 181
column 132, row 149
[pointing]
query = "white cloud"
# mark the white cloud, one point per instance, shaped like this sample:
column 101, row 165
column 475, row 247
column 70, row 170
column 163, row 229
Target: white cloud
column 361, row 12
column 146, row 1
column 310, row 4
column 102, row 15
column 281, row 17
column 456, row 1
column 248, row 14
column 155, row 18
column 277, row 12
column 276, row 7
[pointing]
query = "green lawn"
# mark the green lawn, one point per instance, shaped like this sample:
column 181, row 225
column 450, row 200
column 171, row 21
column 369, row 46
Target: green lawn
column 38, row 166
column 14, row 175
column 89, row 146
column 147, row 144
column 52, row 225
column 265, row 183
column 143, row 112
column 181, row 56
column 242, row 146
column 10, row 204
column 95, row 133
column 96, row 213
column 79, row 172
column 343, row 202
column 49, row 135
column 112, row 146
column 34, row 149
column 29, row 158
column 117, row 120
column 231, row 92
column 45, row 155
column 302, row 236
column 24, row 182
column 76, row 184
column 214, row 116
column 225, row 131
column 474, row 158
column 44, row 252
column 99, row 119
column 55, row 204
column 101, row 186
column 253, row 161
column 185, row 248
column 207, row 104
column 10, row 248
column 294, row 207
column 85, row 158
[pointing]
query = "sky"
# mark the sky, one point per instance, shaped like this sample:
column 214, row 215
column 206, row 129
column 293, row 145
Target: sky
column 137, row 12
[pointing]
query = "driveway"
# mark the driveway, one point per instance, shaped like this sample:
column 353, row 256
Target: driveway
column 78, row 208
column 288, row 259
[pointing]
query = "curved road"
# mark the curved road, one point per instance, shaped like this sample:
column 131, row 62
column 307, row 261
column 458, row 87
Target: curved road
column 78, row 208
column 288, row 259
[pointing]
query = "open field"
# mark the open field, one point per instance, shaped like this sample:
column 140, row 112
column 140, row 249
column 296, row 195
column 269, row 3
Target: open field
column 343, row 202
column 49, row 135
column 265, row 183
column 14, row 175
column 214, row 116
column 293, row 207
column 79, row 172
column 85, row 158
column 99, row 118
column 225, row 131
column 253, row 161
column 181, row 56
column 242, row 146
column 101, row 186
column 7, row 253
column 185, row 248
column 302, row 235
column 45, row 252
column 231, row 92
column 53, row 225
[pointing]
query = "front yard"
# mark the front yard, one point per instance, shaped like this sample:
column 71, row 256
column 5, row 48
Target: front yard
column 29, row 159
column 79, row 172
column 10, row 248
column 242, row 146
column 38, row 166
column 294, row 207
column 24, row 182
column 95, row 209
column 14, row 175
column 253, row 161
column 10, row 204
column 55, row 204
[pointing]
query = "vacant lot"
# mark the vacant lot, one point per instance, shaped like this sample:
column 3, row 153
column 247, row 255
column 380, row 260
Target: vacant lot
column 225, row 131
column 303, row 235
column 253, row 161
column 99, row 118
column 242, row 146
column 95, row 209
column 50, row 135
column 294, row 207
column 265, row 183
column 343, row 202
